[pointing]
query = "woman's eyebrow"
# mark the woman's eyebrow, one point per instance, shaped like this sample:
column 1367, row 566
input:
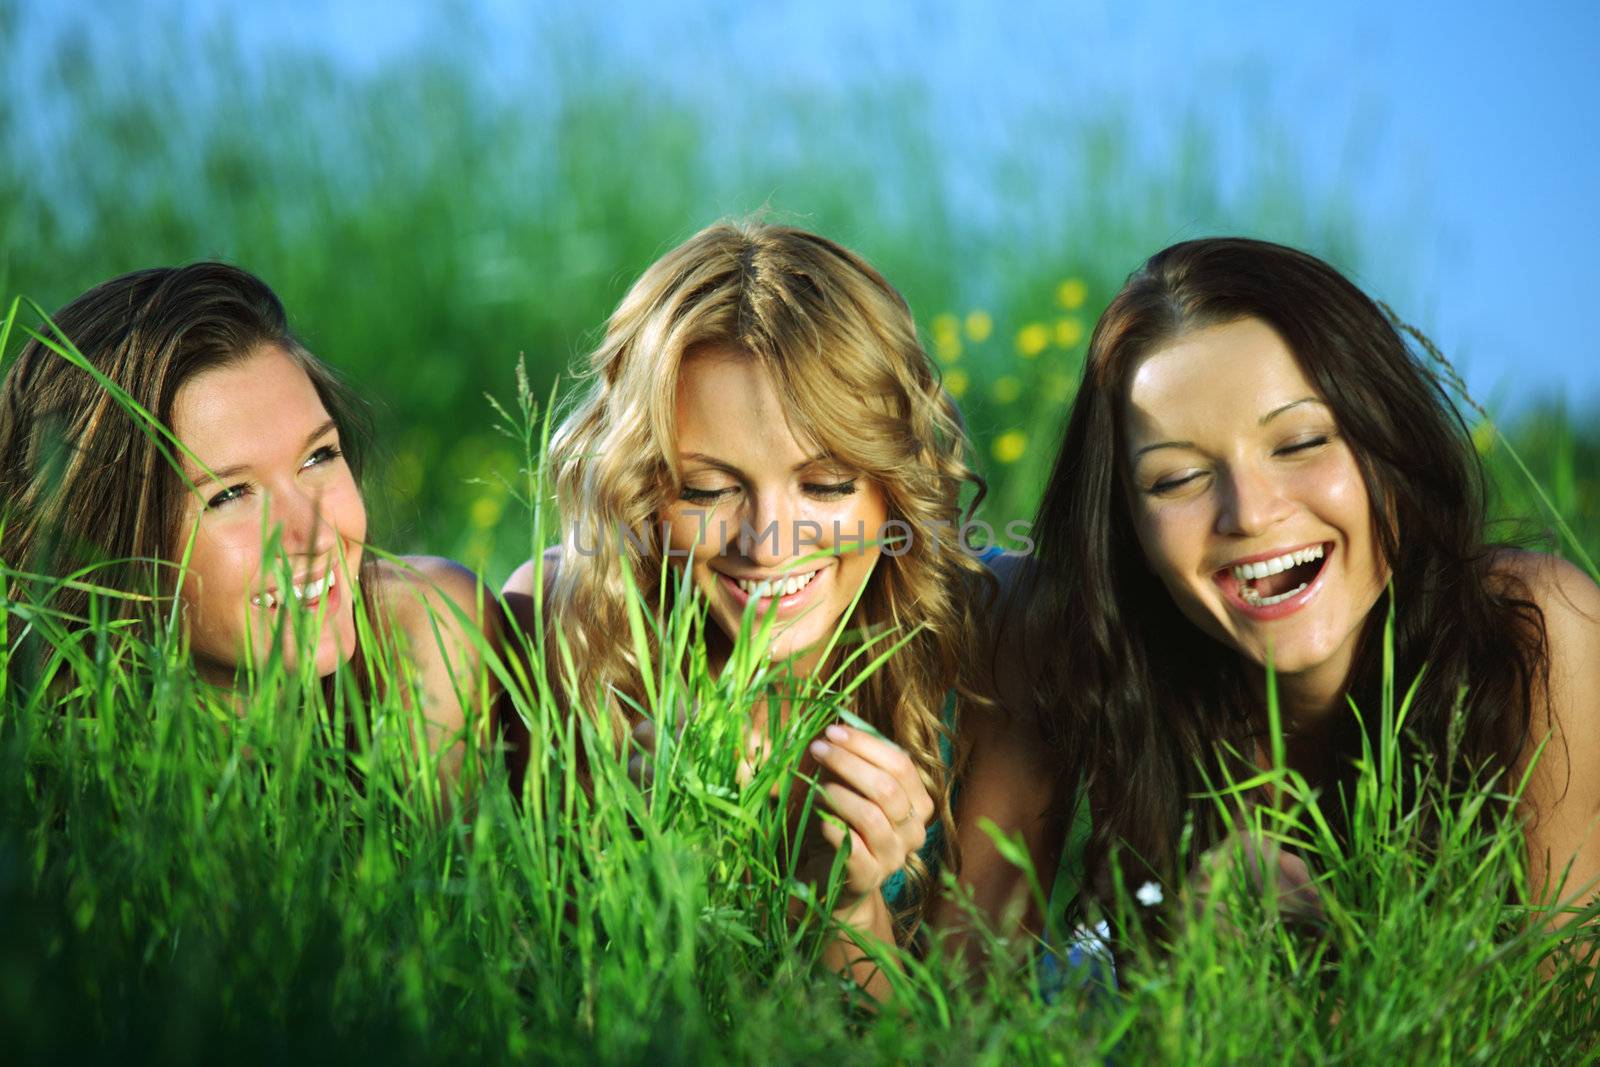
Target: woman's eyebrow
column 222, row 474
column 1275, row 412
column 713, row 461
column 1163, row 444
column 1268, row 417
column 331, row 424
column 710, row 461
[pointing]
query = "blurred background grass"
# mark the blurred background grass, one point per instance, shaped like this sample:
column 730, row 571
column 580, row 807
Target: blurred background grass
column 427, row 223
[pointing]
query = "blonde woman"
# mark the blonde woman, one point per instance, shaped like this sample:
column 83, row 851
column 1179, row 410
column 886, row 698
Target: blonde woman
column 760, row 397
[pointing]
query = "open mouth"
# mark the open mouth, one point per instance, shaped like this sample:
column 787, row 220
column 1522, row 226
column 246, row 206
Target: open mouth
column 787, row 590
column 308, row 594
column 1270, row 582
column 778, row 587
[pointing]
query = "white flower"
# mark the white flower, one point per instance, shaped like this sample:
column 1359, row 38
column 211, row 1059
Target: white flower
column 1149, row 894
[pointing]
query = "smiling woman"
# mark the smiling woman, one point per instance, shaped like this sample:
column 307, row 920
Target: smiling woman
column 1253, row 457
column 761, row 418
column 261, row 430
column 180, row 442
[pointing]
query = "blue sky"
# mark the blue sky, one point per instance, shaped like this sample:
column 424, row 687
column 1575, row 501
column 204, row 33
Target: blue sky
column 1470, row 133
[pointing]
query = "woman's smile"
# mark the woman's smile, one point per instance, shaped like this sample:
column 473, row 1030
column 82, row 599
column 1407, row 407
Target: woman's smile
column 1248, row 502
column 788, row 593
column 765, row 522
column 1275, row 584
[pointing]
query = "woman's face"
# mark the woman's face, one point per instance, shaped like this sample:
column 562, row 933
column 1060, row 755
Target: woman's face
column 1247, row 501
column 754, row 501
column 274, row 451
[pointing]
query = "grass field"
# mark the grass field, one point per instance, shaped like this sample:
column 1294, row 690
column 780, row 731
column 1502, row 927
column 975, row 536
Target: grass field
column 176, row 882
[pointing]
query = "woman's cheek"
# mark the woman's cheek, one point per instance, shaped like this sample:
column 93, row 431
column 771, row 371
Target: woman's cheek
column 691, row 531
column 1162, row 535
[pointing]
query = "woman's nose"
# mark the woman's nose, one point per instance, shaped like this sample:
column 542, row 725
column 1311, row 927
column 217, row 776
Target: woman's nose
column 297, row 515
column 767, row 534
column 1253, row 501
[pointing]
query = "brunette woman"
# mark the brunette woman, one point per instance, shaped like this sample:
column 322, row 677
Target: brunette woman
column 200, row 452
column 1254, row 461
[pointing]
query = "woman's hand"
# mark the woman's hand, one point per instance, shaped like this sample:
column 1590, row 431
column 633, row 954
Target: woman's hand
column 1258, row 860
column 875, row 790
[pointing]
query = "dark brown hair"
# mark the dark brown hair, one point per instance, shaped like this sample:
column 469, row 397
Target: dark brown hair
column 84, row 482
column 1135, row 695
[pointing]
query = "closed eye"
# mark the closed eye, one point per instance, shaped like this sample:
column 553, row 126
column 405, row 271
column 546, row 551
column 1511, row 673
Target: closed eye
column 1304, row 445
column 1167, row 485
column 830, row 490
column 703, row 496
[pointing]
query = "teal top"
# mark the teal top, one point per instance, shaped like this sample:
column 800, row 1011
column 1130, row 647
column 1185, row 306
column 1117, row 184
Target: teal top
column 1069, row 871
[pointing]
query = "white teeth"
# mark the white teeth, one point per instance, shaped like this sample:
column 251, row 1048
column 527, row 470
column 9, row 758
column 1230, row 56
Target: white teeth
column 1246, row 572
column 309, row 591
column 1255, row 599
column 312, row 590
column 779, row 587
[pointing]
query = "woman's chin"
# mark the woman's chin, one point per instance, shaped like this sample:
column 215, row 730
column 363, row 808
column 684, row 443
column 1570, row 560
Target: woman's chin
column 332, row 653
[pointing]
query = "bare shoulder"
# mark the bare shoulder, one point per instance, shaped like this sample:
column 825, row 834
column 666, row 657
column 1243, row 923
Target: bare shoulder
column 518, row 592
column 1555, row 584
column 416, row 587
column 521, row 582
column 1563, row 790
column 1570, row 602
column 1569, row 599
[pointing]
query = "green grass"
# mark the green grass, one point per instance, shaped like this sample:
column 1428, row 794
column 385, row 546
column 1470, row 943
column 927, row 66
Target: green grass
column 175, row 880
column 425, row 226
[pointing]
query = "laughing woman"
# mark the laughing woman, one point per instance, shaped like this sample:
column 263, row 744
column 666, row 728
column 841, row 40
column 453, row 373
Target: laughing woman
column 1254, row 457
column 266, row 506
column 761, row 395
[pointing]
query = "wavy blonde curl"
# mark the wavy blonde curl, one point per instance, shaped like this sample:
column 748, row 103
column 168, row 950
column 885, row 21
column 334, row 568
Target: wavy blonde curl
column 841, row 347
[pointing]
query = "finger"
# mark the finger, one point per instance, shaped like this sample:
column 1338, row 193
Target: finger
column 1298, row 894
column 862, row 873
column 875, row 749
column 640, row 770
column 883, row 844
column 644, row 735
column 888, row 758
column 868, row 780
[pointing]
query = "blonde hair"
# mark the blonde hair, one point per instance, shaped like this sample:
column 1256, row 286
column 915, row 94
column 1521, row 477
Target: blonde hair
column 841, row 347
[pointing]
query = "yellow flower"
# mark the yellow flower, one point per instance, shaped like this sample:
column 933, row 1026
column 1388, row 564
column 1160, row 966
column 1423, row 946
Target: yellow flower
column 486, row 511
column 955, row 383
column 1069, row 331
column 1006, row 389
column 1483, row 436
column 947, row 347
column 1032, row 339
column 1009, row 446
column 1071, row 293
column 979, row 326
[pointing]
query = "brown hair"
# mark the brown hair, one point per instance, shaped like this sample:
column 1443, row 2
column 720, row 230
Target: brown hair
column 85, row 481
column 1134, row 693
